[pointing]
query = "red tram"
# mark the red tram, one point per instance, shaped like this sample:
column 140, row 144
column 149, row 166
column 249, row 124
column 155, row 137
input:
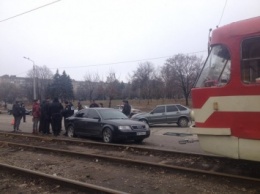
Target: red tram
column 226, row 97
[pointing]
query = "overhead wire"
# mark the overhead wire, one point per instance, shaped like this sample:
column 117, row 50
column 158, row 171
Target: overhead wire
column 29, row 11
column 223, row 10
column 113, row 63
column 121, row 62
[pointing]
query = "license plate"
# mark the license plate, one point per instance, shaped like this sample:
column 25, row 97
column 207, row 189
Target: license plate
column 140, row 133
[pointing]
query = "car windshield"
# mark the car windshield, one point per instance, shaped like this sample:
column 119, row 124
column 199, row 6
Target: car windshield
column 108, row 114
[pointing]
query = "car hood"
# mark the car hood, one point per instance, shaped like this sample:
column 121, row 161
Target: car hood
column 140, row 114
column 123, row 122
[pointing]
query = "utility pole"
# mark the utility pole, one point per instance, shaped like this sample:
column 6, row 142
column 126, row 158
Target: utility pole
column 34, row 74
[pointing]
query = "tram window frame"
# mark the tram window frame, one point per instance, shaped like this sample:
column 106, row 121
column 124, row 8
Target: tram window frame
column 216, row 71
column 250, row 60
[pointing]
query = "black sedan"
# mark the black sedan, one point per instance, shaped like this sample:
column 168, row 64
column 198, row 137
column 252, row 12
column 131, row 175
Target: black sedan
column 106, row 123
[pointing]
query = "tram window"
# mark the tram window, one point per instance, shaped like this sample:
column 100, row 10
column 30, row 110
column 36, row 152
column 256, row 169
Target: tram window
column 216, row 71
column 251, row 61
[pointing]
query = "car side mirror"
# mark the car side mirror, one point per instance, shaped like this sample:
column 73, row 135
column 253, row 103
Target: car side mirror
column 151, row 112
column 98, row 118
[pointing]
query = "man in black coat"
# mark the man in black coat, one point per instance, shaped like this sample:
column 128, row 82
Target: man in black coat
column 18, row 114
column 45, row 117
column 93, row 104
column 55, row 112
column 67, row 112
column 127, row 108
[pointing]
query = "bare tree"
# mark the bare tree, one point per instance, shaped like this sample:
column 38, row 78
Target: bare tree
column 169, row 83
column 43, row 77
column 91, row 84
column 112, row 87
column 142, row 79
column 184, row 70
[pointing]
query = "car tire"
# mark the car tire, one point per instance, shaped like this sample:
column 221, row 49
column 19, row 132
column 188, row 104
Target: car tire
column 144, row 120
column 183, row 122
column 107, row 135
column 71, row 131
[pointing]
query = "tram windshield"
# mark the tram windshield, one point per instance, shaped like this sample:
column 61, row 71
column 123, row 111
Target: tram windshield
column 216, row 71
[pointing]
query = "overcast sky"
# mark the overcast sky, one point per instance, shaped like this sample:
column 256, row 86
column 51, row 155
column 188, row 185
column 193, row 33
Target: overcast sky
column 81, row 36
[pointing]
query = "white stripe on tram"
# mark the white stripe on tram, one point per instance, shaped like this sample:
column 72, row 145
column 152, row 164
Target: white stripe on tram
column 227, row 104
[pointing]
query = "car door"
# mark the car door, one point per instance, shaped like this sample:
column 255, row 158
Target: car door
column 81, row 122
column 157, row 116
column 172, row 114
column 94, row 125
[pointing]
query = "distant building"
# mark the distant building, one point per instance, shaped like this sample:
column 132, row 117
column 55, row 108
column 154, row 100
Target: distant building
column 25, row 81
column 18, row 81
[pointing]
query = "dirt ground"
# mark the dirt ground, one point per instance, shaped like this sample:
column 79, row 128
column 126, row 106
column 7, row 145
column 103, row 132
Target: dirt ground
column 131, row 179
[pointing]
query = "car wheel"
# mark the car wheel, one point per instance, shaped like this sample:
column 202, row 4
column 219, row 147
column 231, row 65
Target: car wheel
column 139, row 140
column 107, row 135
column 144, row 120
column 183, row 122
column 71, row 131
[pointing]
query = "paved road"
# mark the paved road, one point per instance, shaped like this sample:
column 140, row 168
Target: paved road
column 162, row 136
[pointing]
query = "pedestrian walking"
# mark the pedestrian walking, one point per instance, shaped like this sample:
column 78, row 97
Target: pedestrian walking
column 36, row 113
column 18, row 114
column 23, row 112
column 55, row 112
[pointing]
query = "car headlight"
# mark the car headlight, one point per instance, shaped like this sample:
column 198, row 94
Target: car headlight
column 124, row 128
column 146, row 126
column 134, row 117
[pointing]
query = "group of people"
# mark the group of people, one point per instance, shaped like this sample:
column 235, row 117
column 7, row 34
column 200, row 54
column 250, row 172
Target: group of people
column 45, row 115
column 49, row 114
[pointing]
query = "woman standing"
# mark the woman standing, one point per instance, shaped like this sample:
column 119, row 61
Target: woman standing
column 36, row 113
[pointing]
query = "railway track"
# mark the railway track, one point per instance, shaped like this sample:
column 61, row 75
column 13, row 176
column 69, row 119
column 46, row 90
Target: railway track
column 136, row 157
column 174, row 158
column 64, row 182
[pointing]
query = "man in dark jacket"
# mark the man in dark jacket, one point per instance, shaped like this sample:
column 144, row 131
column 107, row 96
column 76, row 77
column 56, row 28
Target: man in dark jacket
column 55, row 111
column 67, row 112
column 45, row 117
column 93, row 104
column 23, row 112
column 127, row 108
column 18, row 114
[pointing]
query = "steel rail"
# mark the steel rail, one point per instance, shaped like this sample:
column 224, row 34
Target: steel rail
column 68, row 182
column 132, row 162
column 86, row 142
